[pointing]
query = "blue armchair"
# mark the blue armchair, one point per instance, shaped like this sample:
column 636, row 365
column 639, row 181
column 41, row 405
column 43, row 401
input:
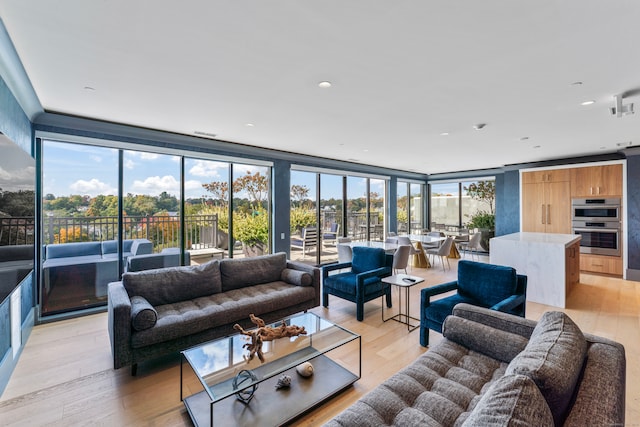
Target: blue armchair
column 490, row 286
column 362, row 282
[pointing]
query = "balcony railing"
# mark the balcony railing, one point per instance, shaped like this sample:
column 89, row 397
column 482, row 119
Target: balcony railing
column 201, row 231
column 17, row 230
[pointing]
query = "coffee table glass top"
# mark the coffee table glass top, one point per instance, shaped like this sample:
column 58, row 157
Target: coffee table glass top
column 217, row 363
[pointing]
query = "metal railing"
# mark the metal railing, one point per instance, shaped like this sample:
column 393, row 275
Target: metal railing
column 17, row 230
column 201, row 231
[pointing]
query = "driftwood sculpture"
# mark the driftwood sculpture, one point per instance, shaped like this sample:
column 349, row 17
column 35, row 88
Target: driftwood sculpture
column 265, row 333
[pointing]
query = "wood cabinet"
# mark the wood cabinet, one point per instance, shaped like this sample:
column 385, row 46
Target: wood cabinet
column 546, row 201
column 601, row 264
column 572, row 266
column 601, row 181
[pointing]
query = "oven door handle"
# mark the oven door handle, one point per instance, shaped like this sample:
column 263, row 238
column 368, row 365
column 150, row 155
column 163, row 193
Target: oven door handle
column 607, row 230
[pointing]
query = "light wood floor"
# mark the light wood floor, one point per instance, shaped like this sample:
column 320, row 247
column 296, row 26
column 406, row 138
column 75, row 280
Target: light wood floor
column 65, row 376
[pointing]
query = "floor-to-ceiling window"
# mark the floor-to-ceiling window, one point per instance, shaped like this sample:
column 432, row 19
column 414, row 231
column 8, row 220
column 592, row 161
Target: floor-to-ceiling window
column 416, row 204
column 410, row 207
column 251, row 209
column 102, row 205
column 462, row 204
column 80, row 204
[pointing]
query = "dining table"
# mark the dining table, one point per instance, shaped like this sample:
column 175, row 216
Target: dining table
column 420, row 259
column 389, row 248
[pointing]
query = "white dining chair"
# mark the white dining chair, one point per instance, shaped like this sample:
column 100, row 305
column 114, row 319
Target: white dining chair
column 405, row 241
column 401, row 258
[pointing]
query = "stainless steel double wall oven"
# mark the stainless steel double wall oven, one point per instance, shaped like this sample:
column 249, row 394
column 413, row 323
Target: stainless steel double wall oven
column 599, row 222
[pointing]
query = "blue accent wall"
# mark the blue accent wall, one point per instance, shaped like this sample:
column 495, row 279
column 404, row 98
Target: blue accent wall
column 633, row 216
column 16, row 125
column 507, row 203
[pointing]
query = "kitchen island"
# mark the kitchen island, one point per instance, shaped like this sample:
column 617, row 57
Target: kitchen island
column 550, row 261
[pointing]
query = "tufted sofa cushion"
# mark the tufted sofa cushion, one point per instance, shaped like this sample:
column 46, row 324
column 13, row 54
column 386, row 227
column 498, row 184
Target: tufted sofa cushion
column 439, row 389
column 199, row 314
column 174, row 284
column 553, row 359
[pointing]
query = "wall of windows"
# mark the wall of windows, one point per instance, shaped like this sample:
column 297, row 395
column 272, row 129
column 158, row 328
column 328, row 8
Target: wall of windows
column 99, row 203
column 410, row 208
column 317, row 201
column 462, row 204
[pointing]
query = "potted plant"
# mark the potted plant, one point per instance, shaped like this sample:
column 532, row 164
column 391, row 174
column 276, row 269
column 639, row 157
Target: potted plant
column 252, row 229
column 485, row 222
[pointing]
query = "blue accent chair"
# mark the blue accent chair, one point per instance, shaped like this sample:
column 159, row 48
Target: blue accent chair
column 490, row 286
column 362, row 283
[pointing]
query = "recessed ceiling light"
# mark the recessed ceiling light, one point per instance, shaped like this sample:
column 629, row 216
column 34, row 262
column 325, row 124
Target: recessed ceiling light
column 249, row 125
column 590, row 102
column 324, row 84
column 366, row 150
column 624, row 144
column 479, row 126
column 444, row 134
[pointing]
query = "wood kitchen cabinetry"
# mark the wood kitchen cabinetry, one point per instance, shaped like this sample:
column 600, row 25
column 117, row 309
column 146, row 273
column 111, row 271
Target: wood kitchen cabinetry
column 572, row 265
column 546, row 201
column 601, row 181
column 601, row 264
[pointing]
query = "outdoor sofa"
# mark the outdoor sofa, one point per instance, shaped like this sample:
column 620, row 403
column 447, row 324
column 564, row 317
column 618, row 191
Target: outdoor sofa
column 97, row 262
column 158, row 312
column 496, row 369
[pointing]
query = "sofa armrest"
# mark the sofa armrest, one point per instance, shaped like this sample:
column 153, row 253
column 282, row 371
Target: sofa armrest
column 119, row 324
column 427, row 293
column 496, row 319
column 510, row 303
column 315, row 275
column 141, row 247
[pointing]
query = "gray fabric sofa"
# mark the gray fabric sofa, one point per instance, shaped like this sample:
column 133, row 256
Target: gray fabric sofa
column 157, row 312
column 497, row 369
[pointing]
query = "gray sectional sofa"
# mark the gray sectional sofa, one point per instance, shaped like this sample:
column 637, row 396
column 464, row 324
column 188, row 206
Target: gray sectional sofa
column 98, row 261
column 157, row 312
column 496, row 369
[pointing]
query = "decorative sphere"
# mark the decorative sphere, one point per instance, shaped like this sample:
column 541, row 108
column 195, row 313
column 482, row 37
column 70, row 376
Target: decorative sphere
column 245, row 377
column 305, row 369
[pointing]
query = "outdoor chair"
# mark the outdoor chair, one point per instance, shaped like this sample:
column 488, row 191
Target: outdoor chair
column 308, row 240
column 363, row 280
column 490, row 286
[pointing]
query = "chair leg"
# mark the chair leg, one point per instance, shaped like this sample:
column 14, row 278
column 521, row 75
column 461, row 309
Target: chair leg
column 325, row 300
column 424, row 336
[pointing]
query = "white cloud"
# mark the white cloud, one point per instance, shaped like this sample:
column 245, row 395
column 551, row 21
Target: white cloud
column 129, row 164
column 208, row 169
column 95, row 158
column 93, row 187
column 154, row 185
column 149, row 156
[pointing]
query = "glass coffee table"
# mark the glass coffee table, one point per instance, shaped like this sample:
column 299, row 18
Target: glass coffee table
column 218, row 368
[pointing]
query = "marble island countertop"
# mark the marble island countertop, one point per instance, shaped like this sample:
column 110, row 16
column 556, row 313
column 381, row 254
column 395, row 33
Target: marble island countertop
column 542, row 257
column 563, row 239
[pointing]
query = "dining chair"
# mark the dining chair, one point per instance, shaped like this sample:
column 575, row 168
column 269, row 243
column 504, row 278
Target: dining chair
column 405, row 241
column 434, row 245
column 345, row 252
column 443, row 252
column 473, row 245
column 401, row 258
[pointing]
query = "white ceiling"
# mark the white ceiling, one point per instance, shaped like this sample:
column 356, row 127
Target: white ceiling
column 402, row 73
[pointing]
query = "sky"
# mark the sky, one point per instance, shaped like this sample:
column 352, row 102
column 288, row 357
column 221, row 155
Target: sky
column 74, row 169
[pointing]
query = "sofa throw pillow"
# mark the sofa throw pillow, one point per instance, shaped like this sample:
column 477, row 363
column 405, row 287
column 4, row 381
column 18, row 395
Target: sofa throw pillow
column 553, row 359
column 513, row 401
column 486, row 283
column 143, row 315
column 296, row 277
column 243, row 272
column 174, row 284
column 495, row 343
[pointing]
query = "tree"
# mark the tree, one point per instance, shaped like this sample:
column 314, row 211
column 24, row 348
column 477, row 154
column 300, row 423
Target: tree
column 220, row 191
column 483, row 191
column 255, row 185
